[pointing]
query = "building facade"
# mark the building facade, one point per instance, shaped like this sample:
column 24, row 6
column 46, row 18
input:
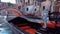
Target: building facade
column 39, row 6
column 57, row 5
column 8, row 9
column 4, row 5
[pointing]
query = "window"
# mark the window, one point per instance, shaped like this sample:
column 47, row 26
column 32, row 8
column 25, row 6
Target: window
column 19, row 7
column 20, row 0
column 35, row 3
column 43, row 7
column 28, row 1
column 26, row 9
column 35, row 9
column 9, row 4
column 0, row 6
